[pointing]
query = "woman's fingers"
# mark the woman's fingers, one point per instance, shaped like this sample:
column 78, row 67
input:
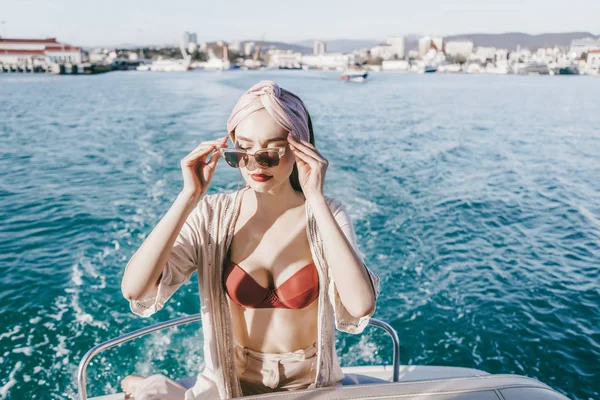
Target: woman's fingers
column 214, row 159
column 211, row 165
column 313, row 152
column 210, row 143
column 307, row 144
column 203, row 150
column 194, row 155
column 197, row 171
column 308, row 155
column 306, row 158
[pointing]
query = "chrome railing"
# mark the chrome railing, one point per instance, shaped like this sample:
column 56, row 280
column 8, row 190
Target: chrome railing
column 87, row 358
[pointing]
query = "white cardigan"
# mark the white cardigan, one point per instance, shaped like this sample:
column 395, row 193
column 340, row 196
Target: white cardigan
column 202, row 246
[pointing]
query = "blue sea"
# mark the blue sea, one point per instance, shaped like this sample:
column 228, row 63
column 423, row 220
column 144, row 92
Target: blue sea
column 476, row 198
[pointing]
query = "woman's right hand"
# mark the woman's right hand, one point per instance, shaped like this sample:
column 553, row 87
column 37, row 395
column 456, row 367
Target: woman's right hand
column 197, row 171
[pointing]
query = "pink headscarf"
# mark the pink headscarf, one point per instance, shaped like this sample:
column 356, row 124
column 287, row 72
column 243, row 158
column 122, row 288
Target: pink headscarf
column 282, row 105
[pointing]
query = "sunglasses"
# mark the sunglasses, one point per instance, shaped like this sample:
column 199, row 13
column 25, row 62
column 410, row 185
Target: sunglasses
column 238, row 158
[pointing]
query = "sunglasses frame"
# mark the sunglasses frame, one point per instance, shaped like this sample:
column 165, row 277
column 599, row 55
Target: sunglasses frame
column 280, row 151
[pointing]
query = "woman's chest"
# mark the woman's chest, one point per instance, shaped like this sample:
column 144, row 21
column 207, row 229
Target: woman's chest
column 270, row 252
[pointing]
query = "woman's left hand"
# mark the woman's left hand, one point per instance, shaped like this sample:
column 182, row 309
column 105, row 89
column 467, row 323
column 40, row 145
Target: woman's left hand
column 311, row 167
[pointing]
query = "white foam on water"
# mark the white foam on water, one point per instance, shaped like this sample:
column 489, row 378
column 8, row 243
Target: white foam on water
column 28, row 350
column 588, row 214
column 61, row 348
column 11, row 380
column 41, row 344
column 11, row 332
column 476, row 357
column 158, row 189
column 76, row 275
column 49, row 325
column 35, row 320
column 364, row 350
column 61, row 304
column 193, row 345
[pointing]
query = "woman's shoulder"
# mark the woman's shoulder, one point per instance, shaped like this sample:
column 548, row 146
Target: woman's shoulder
column 218, row 200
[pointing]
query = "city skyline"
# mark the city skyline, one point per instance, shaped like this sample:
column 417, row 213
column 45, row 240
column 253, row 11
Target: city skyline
column 156, row 23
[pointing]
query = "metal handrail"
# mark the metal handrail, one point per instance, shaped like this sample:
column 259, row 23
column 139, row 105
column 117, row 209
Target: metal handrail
column 394, row 335
column 87, row 358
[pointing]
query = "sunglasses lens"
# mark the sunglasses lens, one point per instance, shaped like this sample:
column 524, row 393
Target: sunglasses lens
column 267, row 158
column 235, row 159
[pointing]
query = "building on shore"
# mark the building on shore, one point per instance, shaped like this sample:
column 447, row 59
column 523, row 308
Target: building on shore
column 398, row 44
column 593, row 62
column 581, row 46
column 459, row 48
column 235, row 46
column 384, row 51
column 187, row 38
column 395, row 65
column 319, row 47
column 34, row 52
column 330, row 61
column 248, row 48
column 284, row 59
column 427, row 43
column 483, row 54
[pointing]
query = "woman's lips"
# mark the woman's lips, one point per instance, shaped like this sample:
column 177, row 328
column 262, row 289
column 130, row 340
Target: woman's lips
column 260, row 177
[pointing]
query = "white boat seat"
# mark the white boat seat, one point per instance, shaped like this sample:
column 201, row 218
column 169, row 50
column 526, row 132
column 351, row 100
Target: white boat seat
column 486, row 387
column 358, row 379
column 349, row 379
column 365, row 375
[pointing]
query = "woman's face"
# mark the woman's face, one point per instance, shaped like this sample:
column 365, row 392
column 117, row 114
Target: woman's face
column 260, row 131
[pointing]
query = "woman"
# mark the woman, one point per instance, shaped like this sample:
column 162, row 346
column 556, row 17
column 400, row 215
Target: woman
column 277, row 260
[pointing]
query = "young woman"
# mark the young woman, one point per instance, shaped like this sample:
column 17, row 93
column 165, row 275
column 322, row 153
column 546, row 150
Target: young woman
column 277, row 260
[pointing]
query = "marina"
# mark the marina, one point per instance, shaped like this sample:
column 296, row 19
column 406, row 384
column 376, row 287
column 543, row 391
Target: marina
column 433, row 55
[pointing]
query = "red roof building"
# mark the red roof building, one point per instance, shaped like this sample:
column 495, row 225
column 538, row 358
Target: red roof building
column 30, row 51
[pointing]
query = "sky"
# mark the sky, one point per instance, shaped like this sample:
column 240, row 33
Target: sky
column 112, row 22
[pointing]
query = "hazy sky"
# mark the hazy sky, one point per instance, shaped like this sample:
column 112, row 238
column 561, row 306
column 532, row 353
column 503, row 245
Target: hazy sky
column 111, row 22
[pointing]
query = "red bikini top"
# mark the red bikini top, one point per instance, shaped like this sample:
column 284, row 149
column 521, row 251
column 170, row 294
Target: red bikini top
column 298, row 291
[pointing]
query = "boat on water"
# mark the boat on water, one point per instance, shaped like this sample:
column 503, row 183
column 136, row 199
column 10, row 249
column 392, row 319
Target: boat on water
column 355, row 74
column 531, row 68
column 450, row 68
column 572, row 69
column 144, row 67
column 170, row 66
column 428, row 69
column 371, row 381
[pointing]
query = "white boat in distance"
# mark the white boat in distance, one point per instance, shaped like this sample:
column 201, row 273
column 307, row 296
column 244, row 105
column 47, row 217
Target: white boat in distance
column 355, row 74
column 170, row 65
column 371, row 381
column 427, row 69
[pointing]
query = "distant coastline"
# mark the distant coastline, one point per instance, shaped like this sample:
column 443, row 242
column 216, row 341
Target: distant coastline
column 508, row 40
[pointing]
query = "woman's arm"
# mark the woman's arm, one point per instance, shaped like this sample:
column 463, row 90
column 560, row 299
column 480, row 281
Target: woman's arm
column 351, row 278
column 143, row 271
